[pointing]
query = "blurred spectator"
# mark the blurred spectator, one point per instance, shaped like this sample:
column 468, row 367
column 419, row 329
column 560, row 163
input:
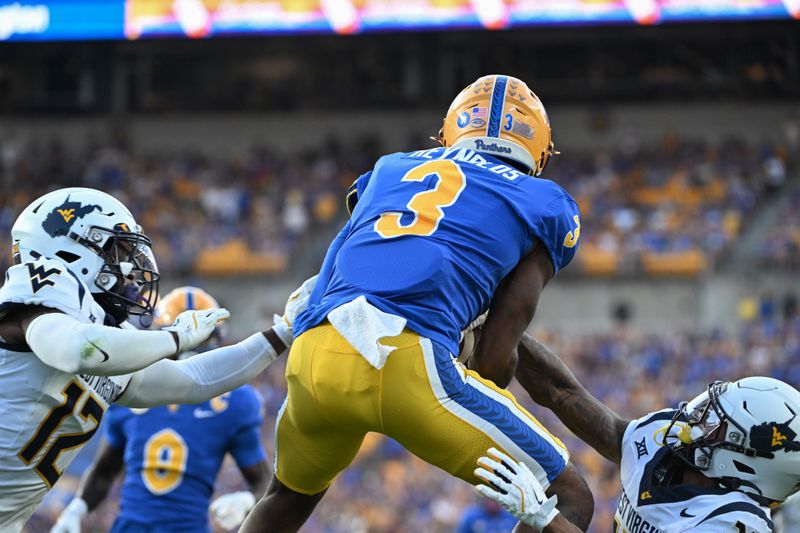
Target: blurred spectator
column 780, row 246
column 486, row 517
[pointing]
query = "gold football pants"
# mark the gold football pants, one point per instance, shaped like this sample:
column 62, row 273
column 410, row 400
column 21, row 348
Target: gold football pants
column 438, row 410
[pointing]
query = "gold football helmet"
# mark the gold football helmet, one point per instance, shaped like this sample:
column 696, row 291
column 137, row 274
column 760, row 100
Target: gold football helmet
column 180, row 300
column 188, row 299
column 501, row 116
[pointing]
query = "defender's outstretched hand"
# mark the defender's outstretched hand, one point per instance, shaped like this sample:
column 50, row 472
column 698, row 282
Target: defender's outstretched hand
column 193, row 327
column 298, row 300
column 296, row 304
column 514, row 487
column 230, row 510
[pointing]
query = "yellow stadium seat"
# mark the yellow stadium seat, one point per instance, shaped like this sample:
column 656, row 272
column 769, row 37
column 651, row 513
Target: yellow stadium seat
column 686, row 264
column 235, row 258
column 597, row 262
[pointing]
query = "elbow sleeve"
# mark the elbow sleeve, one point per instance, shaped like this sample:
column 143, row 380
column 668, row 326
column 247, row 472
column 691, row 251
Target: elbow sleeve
column 201, row 377
column 71, row 346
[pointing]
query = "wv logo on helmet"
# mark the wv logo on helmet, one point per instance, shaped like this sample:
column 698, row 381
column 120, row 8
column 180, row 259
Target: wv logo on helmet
column 773, row 436
column 61, row 219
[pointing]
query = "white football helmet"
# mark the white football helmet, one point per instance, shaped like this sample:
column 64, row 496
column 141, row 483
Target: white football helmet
column 95, row 236
column 744, row 434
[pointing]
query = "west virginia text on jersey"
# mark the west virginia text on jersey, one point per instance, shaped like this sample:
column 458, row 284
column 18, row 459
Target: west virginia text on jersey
column 433, row 234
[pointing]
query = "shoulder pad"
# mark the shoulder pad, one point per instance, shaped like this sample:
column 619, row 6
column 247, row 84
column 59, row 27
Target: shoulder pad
column 644, row 436
column 553, row 217
column 44, row 282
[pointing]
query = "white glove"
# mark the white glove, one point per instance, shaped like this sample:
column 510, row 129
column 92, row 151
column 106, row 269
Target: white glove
column 230, row 510
column 71, row 516
column 296, row 304
column 194, row 327
column 515, row 488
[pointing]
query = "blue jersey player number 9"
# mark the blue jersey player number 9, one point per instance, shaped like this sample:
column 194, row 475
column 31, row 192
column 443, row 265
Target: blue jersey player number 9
column 426, row 205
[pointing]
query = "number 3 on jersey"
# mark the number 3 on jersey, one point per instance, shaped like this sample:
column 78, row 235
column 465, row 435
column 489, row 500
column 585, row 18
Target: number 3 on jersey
column 426, row 205
column 165, row 455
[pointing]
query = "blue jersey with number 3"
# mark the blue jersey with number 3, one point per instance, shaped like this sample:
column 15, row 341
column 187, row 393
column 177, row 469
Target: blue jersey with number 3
column 433, row 234
column 173, row 454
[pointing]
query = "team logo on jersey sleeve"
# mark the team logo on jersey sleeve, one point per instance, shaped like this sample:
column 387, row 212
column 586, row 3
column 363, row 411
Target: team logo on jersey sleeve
column 40, row 277
column 59, row 221
column 571, row 238
column 772, row 436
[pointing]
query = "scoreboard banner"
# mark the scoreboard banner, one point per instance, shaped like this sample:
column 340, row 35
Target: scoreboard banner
column 134, row 19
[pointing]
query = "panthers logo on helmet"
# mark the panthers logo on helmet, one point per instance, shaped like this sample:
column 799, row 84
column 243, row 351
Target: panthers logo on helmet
column 60, row 220
column 772, row 436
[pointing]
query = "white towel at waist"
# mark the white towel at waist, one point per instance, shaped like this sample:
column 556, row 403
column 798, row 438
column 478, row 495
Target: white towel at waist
column 363, row 326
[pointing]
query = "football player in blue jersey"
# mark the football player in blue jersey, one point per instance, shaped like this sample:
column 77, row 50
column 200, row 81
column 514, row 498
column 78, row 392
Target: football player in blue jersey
column 716, row 464
column 436, row 238
column 171, row 454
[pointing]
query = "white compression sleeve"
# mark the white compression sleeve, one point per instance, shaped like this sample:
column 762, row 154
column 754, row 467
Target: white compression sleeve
column 201, row 377
column 74, row 347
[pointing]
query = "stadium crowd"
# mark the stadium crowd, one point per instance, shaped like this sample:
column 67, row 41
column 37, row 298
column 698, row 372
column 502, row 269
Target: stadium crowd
column 388, row 490
column 653, row 209
column 672, row 208
column 251, row 213
column 200, row 211
column 781, row 244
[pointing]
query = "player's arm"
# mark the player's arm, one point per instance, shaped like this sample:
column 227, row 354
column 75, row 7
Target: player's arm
column 558, row 525
column 512, row 309
column 94, row 487
column 550, row 383
column 257, row 477
column 101, row 475
column 230, row 510
column 75, row 347
column 246, row 446
column 207, row 375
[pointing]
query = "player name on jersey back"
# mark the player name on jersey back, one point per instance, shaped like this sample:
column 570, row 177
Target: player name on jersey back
column 470, row 157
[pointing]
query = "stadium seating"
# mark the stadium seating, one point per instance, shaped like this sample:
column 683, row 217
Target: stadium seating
column 644, row 211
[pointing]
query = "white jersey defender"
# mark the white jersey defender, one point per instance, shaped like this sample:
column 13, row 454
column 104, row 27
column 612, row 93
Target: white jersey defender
column 716, row 464
column 82, row 267
column 646, row 505
column 46, row 415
